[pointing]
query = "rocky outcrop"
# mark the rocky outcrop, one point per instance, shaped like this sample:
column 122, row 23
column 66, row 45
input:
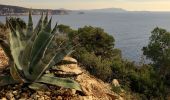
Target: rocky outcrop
column 115, row 82
column 93, row 88
column 70, row 67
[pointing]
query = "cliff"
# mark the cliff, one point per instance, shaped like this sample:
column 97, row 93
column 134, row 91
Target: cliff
column 16, row 10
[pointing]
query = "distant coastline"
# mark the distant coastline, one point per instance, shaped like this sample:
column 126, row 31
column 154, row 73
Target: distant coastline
column 8, row 10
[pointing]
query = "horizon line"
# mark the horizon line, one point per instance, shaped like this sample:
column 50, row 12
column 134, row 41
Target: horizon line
column 90, row 9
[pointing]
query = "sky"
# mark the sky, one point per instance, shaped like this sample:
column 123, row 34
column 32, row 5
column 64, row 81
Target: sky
column 131, row 5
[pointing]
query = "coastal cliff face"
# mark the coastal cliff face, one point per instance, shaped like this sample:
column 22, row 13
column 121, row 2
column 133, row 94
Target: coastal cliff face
column 16, row 10
column 93, row 88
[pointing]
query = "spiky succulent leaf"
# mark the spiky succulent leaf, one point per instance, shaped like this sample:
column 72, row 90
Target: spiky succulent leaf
column 20, row 37
column 43, row 64
column 39, row 47
column 16, row 74
column 26, row 54
column 29, row 31
column 60, row 54
column 15, row 46
column 51, row 57
column 21, row 34
column 54, row 29
column 38, row 28
column 45, row 19
column 38, row 86
column 63, row 82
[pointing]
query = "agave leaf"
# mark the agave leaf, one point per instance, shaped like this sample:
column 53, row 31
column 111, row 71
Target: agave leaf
column 26, row 55
column 42, row 38
column 25, row 58
column 62, row 82
column 29, row 31
column 50, row 58
column 61, row 54
column 38, row 86
column 6, row 80
column 16, row 74
column 45, row 19
column 15, row 46
column 39, row 47
column 39, row 27
column 20, row 36
column 54, row 29
column 42, row 64
column 48, row 26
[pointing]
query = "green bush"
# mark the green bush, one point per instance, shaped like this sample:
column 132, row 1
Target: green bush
column 96, row 66
column 95, row 40
column 116, row 89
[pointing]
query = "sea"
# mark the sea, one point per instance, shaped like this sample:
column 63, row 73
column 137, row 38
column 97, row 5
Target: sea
column 131, row 30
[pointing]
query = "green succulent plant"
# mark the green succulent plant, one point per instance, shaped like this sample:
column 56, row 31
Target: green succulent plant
column 32, row 52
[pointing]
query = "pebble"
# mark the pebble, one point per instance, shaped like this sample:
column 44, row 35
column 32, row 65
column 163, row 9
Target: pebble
column 3, row 98
column 48, row 93
column 59, row 98
column 15, row 92
column 21, row 99
column 47, row 72
column 41, row 98
column 46, row 97
column 9, row 96
column 40, row 93
column 73, row 91
column 24, row 95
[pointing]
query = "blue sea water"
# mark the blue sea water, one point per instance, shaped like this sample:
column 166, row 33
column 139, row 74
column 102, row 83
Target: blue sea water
column 131, row 30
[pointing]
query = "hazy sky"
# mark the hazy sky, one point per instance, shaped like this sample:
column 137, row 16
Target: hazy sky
column 149, row 5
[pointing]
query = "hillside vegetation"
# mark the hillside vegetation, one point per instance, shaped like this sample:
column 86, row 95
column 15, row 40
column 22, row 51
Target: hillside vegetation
column 95, row 50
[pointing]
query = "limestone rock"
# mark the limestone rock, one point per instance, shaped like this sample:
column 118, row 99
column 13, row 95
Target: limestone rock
column 95, row 88
column 115, row 82
column 3, row 98
column 69, row 68
column 67, row 58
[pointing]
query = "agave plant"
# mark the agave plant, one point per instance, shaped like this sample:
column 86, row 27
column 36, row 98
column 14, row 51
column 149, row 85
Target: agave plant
column 32, row 52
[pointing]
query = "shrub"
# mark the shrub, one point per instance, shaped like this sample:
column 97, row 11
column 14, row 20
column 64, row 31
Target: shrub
column 96, row 40
column 96, row 66
column 116, row 89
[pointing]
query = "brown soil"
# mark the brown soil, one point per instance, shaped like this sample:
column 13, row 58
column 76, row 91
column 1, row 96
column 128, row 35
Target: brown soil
column 3, row 59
